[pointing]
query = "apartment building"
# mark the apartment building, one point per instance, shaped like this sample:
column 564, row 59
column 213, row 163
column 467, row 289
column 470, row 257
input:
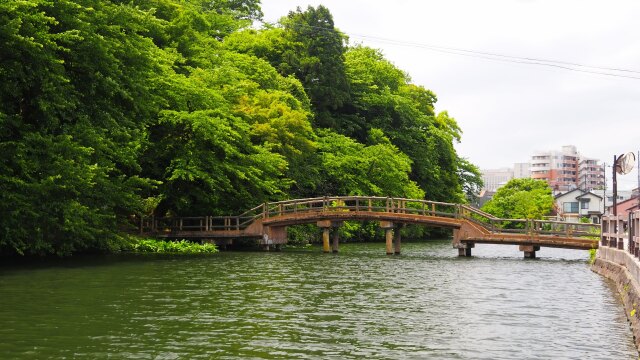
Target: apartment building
column 558, row 168
column 495, row 178
column 521, row 170
column 590, row 174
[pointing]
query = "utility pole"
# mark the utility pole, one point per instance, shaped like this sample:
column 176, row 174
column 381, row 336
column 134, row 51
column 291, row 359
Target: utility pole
column 615, row 186
column 604, row 192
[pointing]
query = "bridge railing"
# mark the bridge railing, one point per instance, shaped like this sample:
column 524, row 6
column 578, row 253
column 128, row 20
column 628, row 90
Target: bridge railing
column 549, row 227
column 529, row 226
column 280, row 208
column 365, row 204
column 360, row 204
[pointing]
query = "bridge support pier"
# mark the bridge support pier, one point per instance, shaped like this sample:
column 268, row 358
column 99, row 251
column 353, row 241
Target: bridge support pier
column 336, row 240
column 464, row 248
column 388, row 235
column 326, row 226
column 529, row 251
column 325, row 240
column 397, row 238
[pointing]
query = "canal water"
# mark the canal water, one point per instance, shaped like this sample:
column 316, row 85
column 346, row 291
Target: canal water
column 302, row 304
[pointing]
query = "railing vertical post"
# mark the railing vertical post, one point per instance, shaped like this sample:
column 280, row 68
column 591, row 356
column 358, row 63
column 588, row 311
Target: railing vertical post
column 180, row 223
column 206, row 223
column 238, row 223
column 433, row 209
column 369, row 205
column 265, row 211
column 357, row 204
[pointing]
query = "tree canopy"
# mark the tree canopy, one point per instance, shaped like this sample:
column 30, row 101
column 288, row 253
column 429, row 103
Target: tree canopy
column 116, row 108
column 521, row 199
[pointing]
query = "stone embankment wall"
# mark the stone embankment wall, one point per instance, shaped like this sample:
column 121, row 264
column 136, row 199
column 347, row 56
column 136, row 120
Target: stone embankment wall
column 624, row 270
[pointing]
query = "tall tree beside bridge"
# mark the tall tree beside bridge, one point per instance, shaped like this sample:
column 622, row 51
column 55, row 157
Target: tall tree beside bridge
column 521, row 199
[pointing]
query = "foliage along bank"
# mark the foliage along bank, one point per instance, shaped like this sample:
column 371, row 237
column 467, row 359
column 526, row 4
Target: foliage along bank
column 115, row 108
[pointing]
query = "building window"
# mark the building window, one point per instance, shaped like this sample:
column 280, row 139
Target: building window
column 570, row 207
column 584, row 205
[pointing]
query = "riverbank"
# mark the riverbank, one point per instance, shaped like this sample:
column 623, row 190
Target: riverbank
column 624, row 270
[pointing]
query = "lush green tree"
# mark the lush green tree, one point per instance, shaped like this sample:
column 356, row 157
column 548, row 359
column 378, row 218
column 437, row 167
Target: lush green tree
column 382, row 97
column 74, row 97
column 120, row 107
column 210, row 165
column 471, row 179
column 320, row 65
column 352, row 168
column 521, row 199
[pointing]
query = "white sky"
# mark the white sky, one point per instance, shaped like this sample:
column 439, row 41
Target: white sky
column 509, row 110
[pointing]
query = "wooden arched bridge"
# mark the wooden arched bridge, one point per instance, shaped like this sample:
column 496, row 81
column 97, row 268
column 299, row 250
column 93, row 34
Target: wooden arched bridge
column 268, row 223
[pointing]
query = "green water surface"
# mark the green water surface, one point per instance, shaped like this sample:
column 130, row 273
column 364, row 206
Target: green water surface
column 302, row 304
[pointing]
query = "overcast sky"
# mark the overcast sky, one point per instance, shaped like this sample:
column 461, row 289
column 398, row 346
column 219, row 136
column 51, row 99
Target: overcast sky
column 509, row 110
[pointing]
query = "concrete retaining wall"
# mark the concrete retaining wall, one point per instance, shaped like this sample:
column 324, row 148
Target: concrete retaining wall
column 624, row 270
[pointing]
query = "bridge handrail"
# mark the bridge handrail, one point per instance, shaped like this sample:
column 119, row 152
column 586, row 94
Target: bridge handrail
column 368, row 204
column 359, row 203
column 478, row 211
column 526, row 226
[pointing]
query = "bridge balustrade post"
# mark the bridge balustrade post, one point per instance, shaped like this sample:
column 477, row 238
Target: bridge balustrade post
column 369, row 205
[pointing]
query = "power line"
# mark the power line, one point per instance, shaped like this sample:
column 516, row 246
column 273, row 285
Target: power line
column 510, row 59
column 399, row 42
column 492, row 56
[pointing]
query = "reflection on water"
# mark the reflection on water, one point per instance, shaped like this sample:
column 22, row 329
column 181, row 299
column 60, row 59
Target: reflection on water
column 426, row 303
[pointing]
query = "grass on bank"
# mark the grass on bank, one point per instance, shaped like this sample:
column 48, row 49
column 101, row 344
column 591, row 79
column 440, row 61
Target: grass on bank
column 171, row 247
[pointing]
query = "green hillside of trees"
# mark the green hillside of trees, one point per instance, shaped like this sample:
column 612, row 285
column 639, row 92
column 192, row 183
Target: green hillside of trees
column 114, row 108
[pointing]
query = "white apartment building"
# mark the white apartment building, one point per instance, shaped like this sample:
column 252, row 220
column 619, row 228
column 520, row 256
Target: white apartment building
column 590, row 174
column 521, row 170
column 494, row 178
column 558, row 168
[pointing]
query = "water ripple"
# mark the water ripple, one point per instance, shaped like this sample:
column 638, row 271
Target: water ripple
column 427, row 303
